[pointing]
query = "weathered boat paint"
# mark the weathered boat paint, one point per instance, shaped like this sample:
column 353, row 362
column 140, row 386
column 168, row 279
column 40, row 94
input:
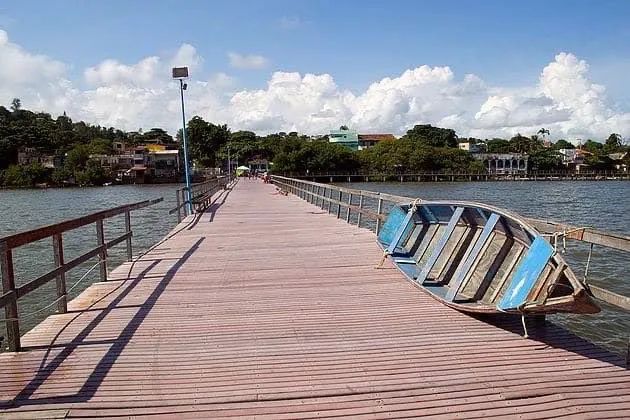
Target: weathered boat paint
column 479, row 258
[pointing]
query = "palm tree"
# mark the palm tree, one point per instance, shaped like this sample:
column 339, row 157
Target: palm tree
column 543, row 131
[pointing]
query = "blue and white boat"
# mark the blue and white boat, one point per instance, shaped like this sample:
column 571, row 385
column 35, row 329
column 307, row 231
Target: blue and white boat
column 478, row 258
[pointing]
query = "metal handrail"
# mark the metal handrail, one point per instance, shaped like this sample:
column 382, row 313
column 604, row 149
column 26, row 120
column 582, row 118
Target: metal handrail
column 12, row 293
column 332, row 197
column 201, row 192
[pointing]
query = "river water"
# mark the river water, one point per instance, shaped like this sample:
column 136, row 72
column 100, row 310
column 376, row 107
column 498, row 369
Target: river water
column 27, row 209
column 604, row 205
column 599, row 204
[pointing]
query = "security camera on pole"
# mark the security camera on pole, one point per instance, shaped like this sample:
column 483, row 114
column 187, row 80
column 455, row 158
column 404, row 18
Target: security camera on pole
column 181, row 73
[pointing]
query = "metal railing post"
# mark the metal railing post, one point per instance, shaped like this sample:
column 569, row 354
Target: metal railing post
column 128, row 230
column 179, row 206
column 62, row 303
column 184, row 199
column 339, row 205
column 348, row 211
column 379, row 209
column 360, row 210
column 102, row 255
column 330, row 199
column 11, row 309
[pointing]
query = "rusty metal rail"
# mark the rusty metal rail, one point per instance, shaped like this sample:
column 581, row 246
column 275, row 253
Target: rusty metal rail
column 334, row 198
column 202, row 192
column 11, row 293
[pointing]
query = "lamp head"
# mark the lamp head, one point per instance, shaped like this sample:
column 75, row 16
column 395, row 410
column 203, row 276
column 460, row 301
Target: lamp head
column 180, row 72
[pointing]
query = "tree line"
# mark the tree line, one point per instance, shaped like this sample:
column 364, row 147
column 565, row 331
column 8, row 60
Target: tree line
column 423, row 148
column 68, row 143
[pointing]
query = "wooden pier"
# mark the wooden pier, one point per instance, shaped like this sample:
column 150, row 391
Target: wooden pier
column 266, row 306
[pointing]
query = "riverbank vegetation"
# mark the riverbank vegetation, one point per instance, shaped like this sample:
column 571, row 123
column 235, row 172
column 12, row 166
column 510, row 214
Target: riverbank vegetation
column 61, row 152
column 58, row 151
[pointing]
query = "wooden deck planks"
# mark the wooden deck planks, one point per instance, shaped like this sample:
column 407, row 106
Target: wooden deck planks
column 270, row 307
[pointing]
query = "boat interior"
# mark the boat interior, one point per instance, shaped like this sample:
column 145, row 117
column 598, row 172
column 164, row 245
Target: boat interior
column 475, row 257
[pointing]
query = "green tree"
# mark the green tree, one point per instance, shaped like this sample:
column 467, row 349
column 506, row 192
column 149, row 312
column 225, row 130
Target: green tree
column 498, row 146
column 563, row 144
column 77, row 158
column 93, row 174
column 100, row 146
column 613, row 143
column 523, row 144
column 543, row 132
column 544, row 159
column 432, row 136
column 205, row 139
column 25, row 176
column 593, row 146
column 16, row 104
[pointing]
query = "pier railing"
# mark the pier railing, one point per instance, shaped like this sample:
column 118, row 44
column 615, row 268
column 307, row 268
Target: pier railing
column 11, row 292
column 433, row 176
column 202, row 192
column 369, row 209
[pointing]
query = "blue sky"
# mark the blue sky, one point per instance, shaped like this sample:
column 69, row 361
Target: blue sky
column 505, row 43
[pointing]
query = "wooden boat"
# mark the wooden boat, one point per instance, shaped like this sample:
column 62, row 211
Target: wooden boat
column 478, row 258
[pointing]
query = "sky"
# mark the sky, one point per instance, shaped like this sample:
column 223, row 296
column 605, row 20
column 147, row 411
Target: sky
column 484, row 68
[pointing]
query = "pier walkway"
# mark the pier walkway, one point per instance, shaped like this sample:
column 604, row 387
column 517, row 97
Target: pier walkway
column 268, row 307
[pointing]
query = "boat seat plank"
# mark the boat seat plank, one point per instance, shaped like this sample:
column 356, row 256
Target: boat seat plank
column 391, row 225
column 403, row 228
column 439, row 247
column 466, row 266
column 404, row 260
column 527, row 274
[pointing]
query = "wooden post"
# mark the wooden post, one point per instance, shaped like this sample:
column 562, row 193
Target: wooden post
column 339, row 205
column 379, row 209
column 62, row 303
column 360, row 208
column 102, row 255
column 179, row 208
column 128, row 230
column 11, row 309
column 348, row 211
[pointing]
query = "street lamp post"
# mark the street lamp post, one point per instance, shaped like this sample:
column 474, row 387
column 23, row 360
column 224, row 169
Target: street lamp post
column 229, row 168
column 181, row 73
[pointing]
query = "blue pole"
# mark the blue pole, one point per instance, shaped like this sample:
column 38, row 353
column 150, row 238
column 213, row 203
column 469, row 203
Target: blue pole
column 186, row 169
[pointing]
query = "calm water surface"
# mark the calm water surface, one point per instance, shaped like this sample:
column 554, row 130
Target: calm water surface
column 26, row 209
column 598, row 204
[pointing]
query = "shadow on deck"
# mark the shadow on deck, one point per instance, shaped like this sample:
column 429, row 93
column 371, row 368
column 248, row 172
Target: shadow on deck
column 87, row 391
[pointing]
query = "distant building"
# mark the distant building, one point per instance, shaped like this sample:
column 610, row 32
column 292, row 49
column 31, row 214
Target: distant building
column 30, row 155
column 370, row 140
column 504, row 163
column 618, row 160
column 121, row 148
column 114, row 162
column 348, row 138
column 471, row 147
column 164, row 164
column 574, row 158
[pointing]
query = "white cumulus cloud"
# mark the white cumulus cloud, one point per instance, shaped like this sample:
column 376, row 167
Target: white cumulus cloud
column 247, row 62
column 142, row 95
